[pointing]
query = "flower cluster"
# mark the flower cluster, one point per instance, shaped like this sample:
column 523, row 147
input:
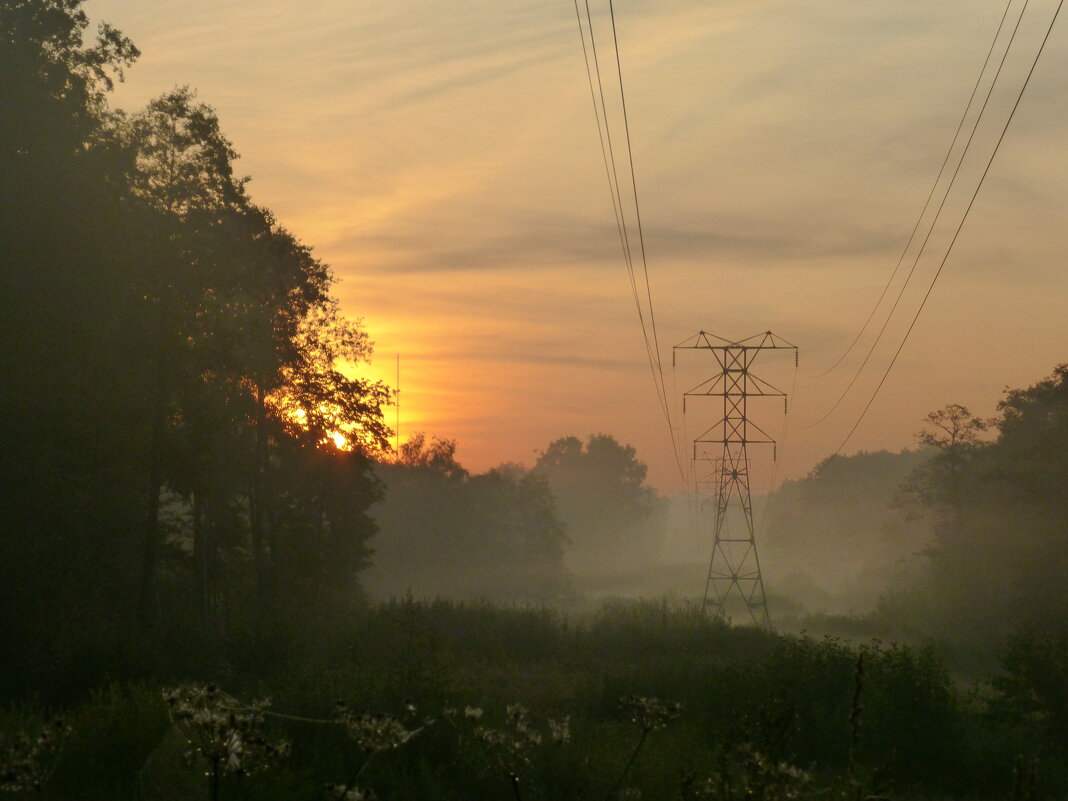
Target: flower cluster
column 559, row 730
column 27, row 761
column 377, row 731
column 650, row 713
column 453, row 713
column 752, row 775
column 229, row 736
column 512, row 744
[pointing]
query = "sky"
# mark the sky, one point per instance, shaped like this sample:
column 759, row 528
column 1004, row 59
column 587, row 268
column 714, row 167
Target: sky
column 444, row 159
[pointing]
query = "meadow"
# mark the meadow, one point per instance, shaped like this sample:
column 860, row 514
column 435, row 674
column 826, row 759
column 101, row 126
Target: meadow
column 650, row 700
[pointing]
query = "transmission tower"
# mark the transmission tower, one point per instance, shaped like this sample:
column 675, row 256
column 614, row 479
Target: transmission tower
column 734, row 569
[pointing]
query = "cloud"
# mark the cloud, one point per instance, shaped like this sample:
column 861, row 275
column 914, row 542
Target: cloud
column 443, row 158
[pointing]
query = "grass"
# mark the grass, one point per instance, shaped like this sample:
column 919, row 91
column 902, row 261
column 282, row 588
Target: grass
column 752, row 715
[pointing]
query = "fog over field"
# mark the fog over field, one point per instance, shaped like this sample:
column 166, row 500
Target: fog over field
column 384, row 491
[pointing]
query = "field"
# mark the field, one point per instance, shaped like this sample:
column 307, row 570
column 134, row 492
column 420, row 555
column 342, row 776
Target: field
column 639, row 700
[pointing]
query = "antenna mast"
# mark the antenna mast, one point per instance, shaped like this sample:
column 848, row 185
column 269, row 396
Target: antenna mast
column 396, row 430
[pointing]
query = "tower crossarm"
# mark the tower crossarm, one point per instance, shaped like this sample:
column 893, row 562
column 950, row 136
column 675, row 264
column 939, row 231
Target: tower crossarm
column 766, row 340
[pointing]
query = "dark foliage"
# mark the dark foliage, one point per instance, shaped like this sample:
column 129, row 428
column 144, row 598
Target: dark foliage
column 449, row 533
column 615, row 521
column 172, row 385
column 998, row 509
column 445, row 700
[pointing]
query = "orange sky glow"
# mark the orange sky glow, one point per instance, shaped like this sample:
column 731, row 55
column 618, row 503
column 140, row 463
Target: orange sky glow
column 443, row 158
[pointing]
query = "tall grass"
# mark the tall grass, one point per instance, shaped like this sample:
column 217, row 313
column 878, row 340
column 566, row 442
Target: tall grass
column 754, row 715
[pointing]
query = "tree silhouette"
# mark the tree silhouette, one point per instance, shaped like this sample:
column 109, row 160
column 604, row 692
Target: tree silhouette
column 612, row 517
column 445, row 531
column 180, row 369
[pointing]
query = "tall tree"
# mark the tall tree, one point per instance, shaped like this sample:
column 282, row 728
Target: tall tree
column 184, row 170
column 955, row 435
column 181, row 370
column 1000, row 552
column 613, row 518
column 444, row 531
column 247, row 332
column 54, row 91
column 71, row 416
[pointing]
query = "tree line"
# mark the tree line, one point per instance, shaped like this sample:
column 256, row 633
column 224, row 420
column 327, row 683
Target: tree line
column 513, row 533
column 964, row 539
column 994, row 495
column 182, row 448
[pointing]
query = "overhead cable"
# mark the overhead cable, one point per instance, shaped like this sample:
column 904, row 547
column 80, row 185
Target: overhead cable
column 930, row 195
column 949, row 250
column 930, row 229
column 608, row 155
column 612, row 191
column 641, row 240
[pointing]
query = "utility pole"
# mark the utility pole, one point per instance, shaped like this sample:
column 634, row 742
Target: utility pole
column 734, row 570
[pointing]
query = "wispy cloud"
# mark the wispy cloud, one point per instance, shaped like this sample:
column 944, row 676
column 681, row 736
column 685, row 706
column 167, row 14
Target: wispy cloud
column 443, row 158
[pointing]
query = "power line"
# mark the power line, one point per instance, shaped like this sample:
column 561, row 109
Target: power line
column 618, row 200
column 608, row 155
column 634, row 188
column 949, row 250
column 930, row 229
column 927, row 203
column 612, row 174
column 641, row 240
column 690, row 479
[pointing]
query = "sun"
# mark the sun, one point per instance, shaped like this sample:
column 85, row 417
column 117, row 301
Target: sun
column 295, row 415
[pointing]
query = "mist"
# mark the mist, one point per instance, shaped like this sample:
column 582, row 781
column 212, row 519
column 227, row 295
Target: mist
column 224, row 575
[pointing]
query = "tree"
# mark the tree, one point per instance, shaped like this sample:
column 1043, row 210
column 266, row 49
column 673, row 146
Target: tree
column 320, row 535
column 1000, row 551
column 437, row 456
column 247, row 334
column 183, row 374
column 1032, row 447
column 55, row 87
column 73, row 417
column 1033, row 685
column 444, row 531
column 845, row 506
column 612, row 517
column 183, row 170
column 516, row 518
column 184, row 162
column 955, row 435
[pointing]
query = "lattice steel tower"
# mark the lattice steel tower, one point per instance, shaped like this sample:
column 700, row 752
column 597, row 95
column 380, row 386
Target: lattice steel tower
column 734, row 569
